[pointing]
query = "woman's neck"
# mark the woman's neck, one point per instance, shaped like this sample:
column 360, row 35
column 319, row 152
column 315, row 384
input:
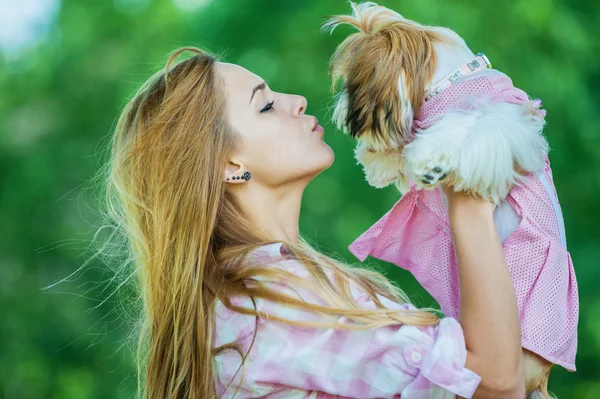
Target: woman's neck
column 275, row 211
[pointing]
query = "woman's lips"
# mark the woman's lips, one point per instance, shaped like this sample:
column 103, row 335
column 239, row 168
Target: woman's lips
column 317, row 127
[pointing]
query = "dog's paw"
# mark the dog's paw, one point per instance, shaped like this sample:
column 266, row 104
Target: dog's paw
column 430, row 159
column 432, row 176
column 427, row 171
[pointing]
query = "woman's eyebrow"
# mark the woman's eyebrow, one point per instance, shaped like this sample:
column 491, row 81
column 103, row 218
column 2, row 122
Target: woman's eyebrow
column 258, row 87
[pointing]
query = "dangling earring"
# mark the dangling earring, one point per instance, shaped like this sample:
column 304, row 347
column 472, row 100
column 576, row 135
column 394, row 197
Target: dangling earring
column 246, row 176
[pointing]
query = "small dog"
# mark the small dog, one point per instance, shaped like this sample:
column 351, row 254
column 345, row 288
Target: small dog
column 424, row 108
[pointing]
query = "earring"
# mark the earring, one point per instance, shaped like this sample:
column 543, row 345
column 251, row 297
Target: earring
column 246, row 176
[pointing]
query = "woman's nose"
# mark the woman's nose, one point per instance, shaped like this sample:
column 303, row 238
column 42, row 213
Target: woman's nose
column 299, row 106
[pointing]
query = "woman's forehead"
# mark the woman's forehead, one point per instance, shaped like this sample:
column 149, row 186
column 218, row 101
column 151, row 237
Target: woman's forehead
column 237, row 78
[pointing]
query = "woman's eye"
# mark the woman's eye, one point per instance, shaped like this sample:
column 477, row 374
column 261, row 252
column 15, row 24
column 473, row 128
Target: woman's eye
column 268, row 107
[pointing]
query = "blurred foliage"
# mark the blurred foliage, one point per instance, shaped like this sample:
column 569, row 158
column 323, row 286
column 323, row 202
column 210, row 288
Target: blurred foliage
column 59, row 101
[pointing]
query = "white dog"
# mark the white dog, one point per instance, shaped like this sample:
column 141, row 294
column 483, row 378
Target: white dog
column 424, row 108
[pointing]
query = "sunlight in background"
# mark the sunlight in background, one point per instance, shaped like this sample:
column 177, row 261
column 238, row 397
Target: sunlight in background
column 24, row 23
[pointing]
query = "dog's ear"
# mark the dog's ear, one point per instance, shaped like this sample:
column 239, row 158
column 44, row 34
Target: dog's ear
column 384, row 69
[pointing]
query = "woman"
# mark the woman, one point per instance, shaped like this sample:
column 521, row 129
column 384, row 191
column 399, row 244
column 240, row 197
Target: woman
column 207, row 173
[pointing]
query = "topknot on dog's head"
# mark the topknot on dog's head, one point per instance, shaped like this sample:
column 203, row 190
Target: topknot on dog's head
column 384, row 68
column 367, row 17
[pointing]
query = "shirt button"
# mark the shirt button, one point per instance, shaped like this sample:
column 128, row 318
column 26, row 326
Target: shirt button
column 416, row 356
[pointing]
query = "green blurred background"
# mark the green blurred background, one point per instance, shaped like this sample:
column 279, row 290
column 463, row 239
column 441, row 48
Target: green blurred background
column 67, row 68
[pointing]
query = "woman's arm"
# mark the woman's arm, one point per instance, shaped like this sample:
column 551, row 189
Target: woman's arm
column 488, row 306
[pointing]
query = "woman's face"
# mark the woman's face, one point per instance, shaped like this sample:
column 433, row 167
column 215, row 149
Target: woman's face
column 280, row 143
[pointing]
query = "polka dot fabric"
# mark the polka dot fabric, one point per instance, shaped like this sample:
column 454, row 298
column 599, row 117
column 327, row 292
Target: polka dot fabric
column 415, row 235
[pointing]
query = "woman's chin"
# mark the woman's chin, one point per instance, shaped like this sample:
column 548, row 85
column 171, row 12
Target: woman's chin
column 328, row 157
column 325, row 160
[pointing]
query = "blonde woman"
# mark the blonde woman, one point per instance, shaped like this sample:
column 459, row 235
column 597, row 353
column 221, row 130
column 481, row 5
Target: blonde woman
column 206, row 177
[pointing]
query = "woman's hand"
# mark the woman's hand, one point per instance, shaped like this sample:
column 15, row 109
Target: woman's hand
column 488, row 306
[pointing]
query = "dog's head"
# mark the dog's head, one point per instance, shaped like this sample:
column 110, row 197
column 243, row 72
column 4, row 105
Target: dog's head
column 384, row 69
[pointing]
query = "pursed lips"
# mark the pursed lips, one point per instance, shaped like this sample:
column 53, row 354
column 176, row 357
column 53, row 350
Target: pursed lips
column 316, row 127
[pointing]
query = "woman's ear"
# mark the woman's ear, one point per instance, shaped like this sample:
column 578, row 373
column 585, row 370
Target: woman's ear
column 236, row 172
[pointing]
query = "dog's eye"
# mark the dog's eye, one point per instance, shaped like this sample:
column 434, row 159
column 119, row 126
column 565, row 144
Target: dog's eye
column 371, row 150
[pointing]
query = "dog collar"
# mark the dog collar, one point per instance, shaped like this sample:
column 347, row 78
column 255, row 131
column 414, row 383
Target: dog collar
column 479, row 62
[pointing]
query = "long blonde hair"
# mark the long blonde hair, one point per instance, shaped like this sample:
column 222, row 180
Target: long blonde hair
column 166, row 195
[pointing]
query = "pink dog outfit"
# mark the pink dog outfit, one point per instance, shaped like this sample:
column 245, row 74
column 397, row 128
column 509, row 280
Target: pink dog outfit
column 415, row 235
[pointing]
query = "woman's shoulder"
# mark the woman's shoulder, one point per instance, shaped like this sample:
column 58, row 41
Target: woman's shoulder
column 232, row 325
column 278, row 256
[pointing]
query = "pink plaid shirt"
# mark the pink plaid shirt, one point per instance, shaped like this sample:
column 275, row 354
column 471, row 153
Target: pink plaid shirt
column 286, row 361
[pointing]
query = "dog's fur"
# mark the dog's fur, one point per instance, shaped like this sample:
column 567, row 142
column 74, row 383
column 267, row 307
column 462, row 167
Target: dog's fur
column 385, row 69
